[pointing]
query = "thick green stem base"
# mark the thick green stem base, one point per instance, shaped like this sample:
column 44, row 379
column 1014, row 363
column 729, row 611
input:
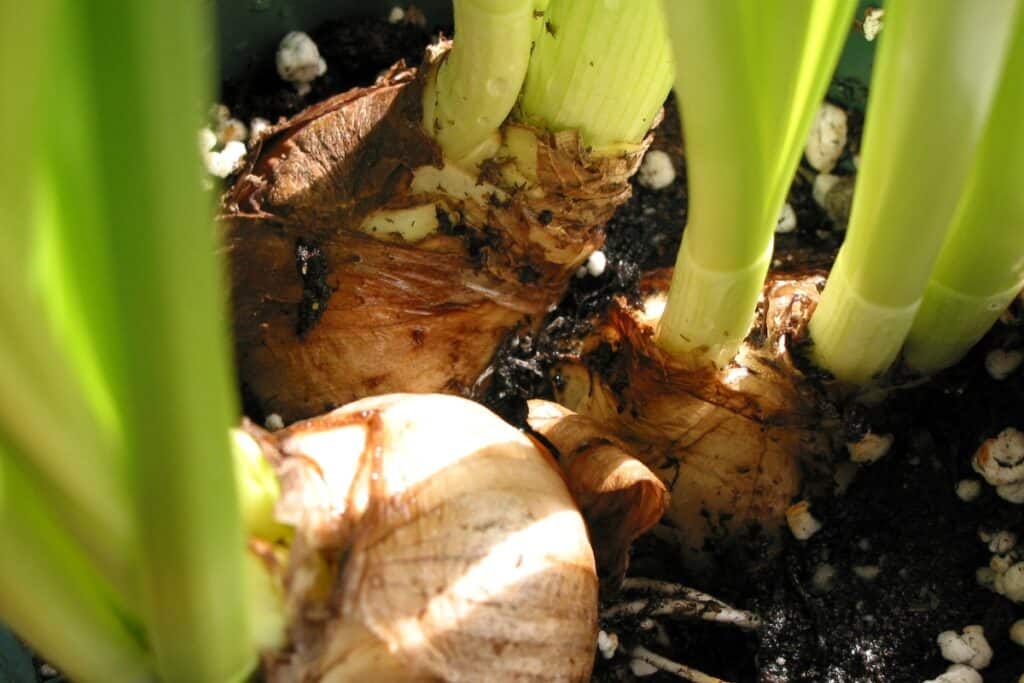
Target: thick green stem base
column 856, row 339
column 949, row 323
column 710, row 311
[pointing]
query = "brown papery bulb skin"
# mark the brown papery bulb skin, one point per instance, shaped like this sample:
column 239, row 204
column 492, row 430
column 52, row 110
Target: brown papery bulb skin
column 433, row 542
column 729, row 443
column 327, row 311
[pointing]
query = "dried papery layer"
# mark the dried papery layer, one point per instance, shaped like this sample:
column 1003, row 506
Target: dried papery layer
column 433, row 541
column 728, row 443
column 619, row 497
column 363, row 263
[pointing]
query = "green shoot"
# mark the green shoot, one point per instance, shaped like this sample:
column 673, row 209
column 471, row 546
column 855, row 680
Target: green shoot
column 116, row 394
column 981, row 266
column 171, row 380
column 477, row 85
column 604, row 68
column 749, row 76
column 44, row 411
column 51, row 593
column 932, row 89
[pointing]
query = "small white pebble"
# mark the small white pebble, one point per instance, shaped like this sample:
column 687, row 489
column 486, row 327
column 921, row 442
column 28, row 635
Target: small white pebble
column 823, row 578
column 968, row 489
column 1001, row 459
column 641, row 668
column 867, row 572
column 607, row 644
column 299, row 60
column 827, row 138
column 396, row 15
column 958, row 673
column 801, row 522
column 596, row 263
column 1011, row 583
column 787, row 220
column 207, row 140
column 1012, row 493
column 1002, row 542
column 273, row 422
column 954, row 647
column 1001, row 364
column 870, row 447
column 873, row 21
column 656, row 171
column 48, row 671
column 1017, row 632
column 974, row 636
column 231, row 130
column 823, row 184
column 258, row 127
column 227, row 161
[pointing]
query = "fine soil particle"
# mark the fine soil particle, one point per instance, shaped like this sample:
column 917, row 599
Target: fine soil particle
column 900, row 514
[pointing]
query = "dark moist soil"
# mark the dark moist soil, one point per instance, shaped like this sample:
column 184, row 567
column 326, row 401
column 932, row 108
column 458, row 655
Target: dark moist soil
column 900, row 514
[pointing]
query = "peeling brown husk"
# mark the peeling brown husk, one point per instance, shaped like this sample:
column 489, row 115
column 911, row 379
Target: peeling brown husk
column 729, row 443
column 620, row 498
column 369, row 314
column 433, row 542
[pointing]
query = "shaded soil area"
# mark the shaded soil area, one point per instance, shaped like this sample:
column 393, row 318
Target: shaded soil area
column 900, row 515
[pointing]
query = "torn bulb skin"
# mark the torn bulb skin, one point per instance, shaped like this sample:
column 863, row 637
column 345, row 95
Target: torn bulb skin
column 729, row 443
column 432, row 542
column 423, row 266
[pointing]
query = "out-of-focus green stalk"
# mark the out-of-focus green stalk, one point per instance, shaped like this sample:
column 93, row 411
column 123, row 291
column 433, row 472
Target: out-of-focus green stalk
column 981, row 266
column 477, row 84
column 750, row 75
column 51, row 594
column 931, row 93
column 44, row 411
column 170, row 374
column 604, row 68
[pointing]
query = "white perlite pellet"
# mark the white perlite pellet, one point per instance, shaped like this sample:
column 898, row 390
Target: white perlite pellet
column 1000, row 363
column 801, row 522
column 1017, row 632
column 1000, row 460
column 596, row 263
column 299, row 61
column 607, row 643
column 656, row 171
column 827, row 138
column 970, row 647
column 968, row 489
column 869, row 447
column 787, row 220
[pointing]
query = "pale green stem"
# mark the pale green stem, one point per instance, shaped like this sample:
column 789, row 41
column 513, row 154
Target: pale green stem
column 477, row 85
column 931, row 93
column 981, row 266
column 603, row 68
column 53, row 597
column 750, row 74
column 43, row 406
column 170, row 373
